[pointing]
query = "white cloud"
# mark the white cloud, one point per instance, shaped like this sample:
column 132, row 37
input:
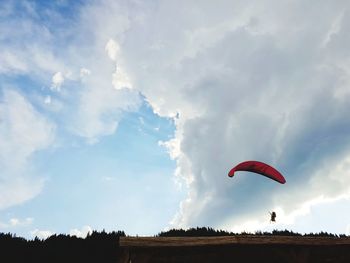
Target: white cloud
column 84, row 72
column 173, row 147
column 11, row 62
column 82, row 233
column 21, row 53
column 120, row 79
column 41, row 234
column 100, row 111
column 248, row 82
column 57, row 81
column 97, row 107
column 16, row 222
column 105, row 96
column 112, row 48
column 23, row 132
column 19, row 222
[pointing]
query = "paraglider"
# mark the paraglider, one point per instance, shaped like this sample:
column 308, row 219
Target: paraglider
column 273, row 217
column 260, row 168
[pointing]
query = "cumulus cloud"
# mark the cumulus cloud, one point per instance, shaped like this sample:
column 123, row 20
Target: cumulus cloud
column 82, row 233
column 101, row 109
column 41, row 234
column 112, row 48
column 106, row 93
column 247, row 82
column 121, row 80
column 23, row 132
column 242, row 81
column 57, row 81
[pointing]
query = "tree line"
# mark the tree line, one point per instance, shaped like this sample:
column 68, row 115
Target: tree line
column 208, row 231
column 96, row 247
column 99, row 246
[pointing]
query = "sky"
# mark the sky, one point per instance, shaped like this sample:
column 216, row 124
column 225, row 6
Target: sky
column 128, row 115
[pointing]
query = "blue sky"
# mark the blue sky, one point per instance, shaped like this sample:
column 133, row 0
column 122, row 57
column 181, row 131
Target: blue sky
column 127, row 115
column 104, row 184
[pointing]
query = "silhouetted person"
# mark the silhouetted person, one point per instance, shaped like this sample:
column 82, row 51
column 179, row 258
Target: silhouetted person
column 273, row 217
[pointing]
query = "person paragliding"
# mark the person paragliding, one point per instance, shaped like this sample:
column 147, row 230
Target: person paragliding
column 263, row 169
column 273, row 217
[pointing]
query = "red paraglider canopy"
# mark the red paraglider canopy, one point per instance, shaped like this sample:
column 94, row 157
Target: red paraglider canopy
column 260, row 168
